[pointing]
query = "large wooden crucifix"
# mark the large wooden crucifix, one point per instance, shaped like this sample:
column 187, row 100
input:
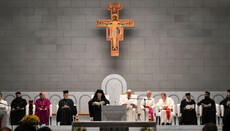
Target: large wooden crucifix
column 114, row 27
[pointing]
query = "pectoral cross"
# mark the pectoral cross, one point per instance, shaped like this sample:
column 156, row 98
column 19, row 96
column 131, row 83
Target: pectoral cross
column 114, row 27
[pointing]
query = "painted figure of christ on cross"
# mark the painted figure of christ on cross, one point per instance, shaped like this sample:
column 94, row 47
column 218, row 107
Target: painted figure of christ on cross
column 114, row 27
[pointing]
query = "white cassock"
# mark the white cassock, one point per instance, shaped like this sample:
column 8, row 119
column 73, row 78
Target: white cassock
column 131, row 112
column 169, row 103
column 147, row 102
column 3, row 104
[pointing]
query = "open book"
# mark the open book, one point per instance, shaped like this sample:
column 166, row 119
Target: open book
column 190, row 106
column 207, row 105
column 129, row 102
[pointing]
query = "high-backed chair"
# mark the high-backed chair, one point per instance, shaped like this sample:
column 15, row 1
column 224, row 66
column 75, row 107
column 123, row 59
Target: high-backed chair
column 221, row 113
column 8, row 110
column 200, row 108
column 179, row 114
column 157, row 115
column 218, row 114
column 57, row 106
column 222, row 110
column 174, row 113
column 50, row 116
column 27, row 109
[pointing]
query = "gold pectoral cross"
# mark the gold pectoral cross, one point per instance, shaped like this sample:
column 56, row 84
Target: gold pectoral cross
column 114, row 27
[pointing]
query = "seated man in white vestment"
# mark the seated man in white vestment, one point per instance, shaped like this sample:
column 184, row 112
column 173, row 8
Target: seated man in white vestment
column 165, row 106
column 147, row 106
column 131, row 103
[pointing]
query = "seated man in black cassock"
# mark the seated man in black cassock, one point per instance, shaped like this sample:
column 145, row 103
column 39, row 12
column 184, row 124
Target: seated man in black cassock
column 66, row 110
column 96, row 103
column 18, row 109
column 188, row 111
column 209, row 109
column 226, row 104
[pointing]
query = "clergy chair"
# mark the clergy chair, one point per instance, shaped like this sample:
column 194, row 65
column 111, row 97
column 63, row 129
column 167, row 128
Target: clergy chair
column 174, row 113
column 57, row 106
column 221, row 113
column 74, row 116
column 27, row 109
column 218, row 114
column 222, row 110
column 199, row 114
column 50, row 116
column 8, row 110
column 157, row 115
column 179, row 114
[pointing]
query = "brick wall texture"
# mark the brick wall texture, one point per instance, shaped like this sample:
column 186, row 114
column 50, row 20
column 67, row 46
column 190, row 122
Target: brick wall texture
column 176, row 45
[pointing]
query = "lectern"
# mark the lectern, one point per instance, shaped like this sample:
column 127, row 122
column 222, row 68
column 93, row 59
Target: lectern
column 113, row 113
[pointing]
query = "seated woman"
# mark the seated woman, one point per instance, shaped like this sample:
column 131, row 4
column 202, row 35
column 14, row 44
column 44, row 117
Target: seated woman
column 95, row 105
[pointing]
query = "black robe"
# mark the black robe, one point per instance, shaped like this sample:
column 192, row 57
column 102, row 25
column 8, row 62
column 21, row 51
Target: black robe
column 226, row 110
column 65, row 116
column 95, row 110
column 208, row 113
column 188, row 116
column 17, row 114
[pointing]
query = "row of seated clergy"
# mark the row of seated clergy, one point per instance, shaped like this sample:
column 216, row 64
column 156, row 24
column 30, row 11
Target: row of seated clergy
column 188, row 116
column 187, row 110
column 207, row 110
column 130, row 101
column 166, row 110
column 43, row 109
column 66, row 109
column 161, row 111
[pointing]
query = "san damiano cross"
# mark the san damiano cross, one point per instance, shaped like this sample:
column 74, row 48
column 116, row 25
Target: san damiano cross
column 114, row 27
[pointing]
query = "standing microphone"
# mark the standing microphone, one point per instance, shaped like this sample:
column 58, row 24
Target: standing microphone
column 145, row 108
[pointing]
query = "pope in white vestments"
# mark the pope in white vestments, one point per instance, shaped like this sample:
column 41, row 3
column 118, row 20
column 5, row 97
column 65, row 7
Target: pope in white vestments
column 131, row 103
column 165, row 106
column 147, row 106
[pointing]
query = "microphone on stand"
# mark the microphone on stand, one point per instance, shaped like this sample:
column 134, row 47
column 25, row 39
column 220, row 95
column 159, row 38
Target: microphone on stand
column 145, row 108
